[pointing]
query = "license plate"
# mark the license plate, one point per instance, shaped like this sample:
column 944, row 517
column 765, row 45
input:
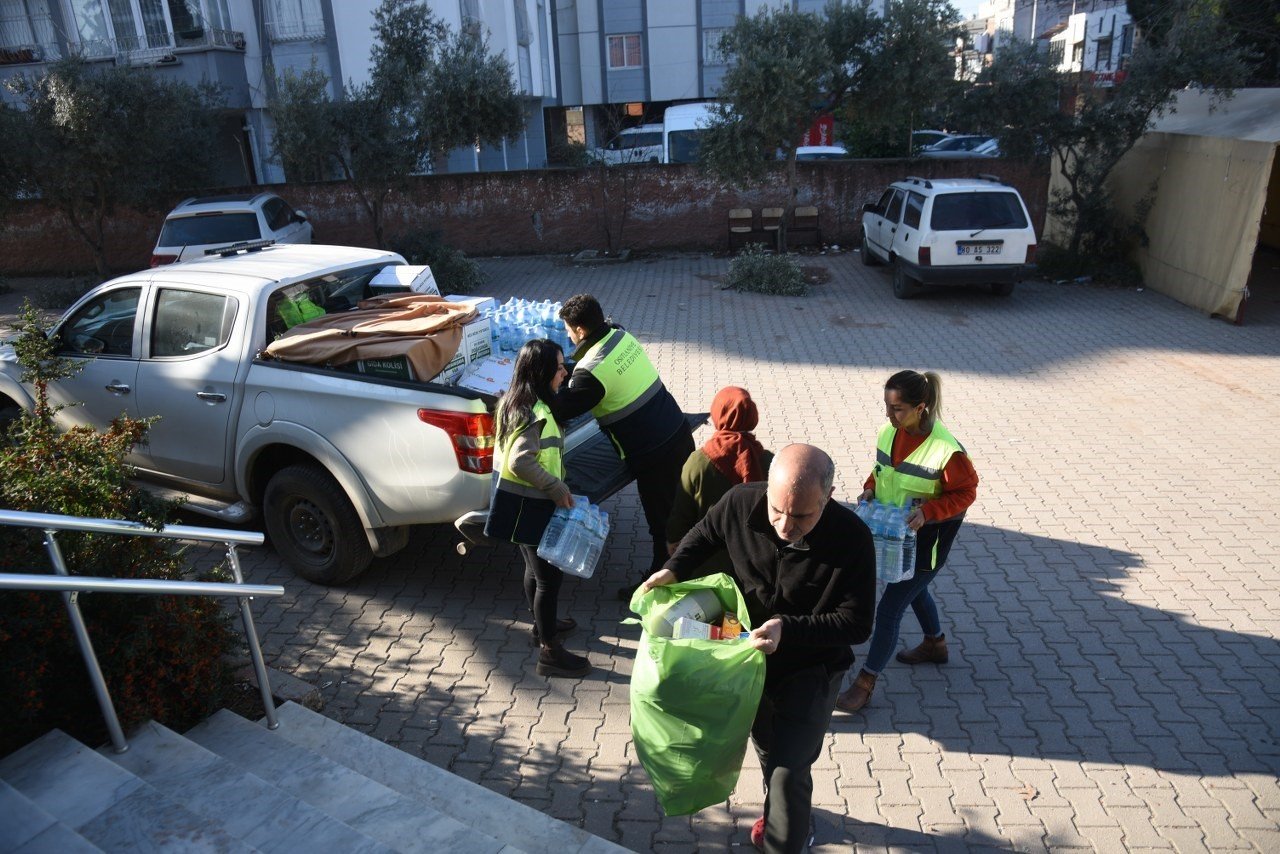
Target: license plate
column 977, row 248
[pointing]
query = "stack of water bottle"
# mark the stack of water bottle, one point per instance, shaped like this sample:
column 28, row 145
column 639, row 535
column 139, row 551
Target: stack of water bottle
column 519, row 320
column 895, row 541
column 575, row 538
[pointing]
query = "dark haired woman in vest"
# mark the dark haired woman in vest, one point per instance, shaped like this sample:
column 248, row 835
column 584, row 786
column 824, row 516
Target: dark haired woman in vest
column 917, row 461
column 530, row 485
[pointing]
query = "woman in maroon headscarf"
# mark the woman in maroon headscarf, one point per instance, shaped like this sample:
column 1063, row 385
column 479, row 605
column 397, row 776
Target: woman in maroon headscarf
column 732, row 455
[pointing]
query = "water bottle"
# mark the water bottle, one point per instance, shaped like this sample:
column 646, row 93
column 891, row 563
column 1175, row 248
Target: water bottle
column 551, row 546
column 876, row 522
column 893, row 534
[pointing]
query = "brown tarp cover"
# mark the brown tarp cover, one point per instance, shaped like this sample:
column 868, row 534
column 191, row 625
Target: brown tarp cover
column 427, row 330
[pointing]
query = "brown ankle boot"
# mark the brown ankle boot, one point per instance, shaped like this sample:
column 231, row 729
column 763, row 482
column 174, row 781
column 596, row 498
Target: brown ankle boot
column 931, row 651
column 858, row 694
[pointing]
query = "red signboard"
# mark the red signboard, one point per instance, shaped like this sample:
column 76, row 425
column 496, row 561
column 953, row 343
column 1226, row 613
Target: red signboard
column 1107, row 79
column 823, row 131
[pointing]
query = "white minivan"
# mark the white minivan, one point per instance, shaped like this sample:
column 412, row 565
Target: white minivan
column 950, row 231
column 641, row 144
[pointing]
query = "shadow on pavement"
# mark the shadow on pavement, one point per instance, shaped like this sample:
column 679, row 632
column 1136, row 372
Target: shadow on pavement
column 1051, row 659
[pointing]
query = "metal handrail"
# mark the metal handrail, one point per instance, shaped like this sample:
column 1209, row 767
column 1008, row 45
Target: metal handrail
column 72, row 586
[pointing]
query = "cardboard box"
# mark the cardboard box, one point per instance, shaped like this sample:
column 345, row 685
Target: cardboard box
column 389, row 367
column 490, row 376
column 477, row 344
column 403, row 276
column 452, row 371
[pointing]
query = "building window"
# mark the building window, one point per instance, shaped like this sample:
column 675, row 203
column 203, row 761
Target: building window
column 1126, row 40
column 1102, row 62
column 711, row 53
column 294, row 20
column 1077, row 56
column 26, row 32
column 471, row 23
column 624, row 51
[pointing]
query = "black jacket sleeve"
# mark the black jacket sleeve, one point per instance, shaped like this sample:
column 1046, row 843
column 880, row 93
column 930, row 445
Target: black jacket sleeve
column 580, row 394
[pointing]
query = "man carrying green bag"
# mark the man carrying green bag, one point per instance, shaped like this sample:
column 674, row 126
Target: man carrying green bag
column 805, row 566
column 693, row 700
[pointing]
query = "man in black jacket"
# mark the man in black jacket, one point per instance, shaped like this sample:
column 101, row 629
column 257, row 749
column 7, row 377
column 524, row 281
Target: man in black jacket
column 806, row 567
column 615, row 381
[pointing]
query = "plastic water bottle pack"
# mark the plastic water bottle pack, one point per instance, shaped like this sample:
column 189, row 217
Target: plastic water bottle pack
column 519, row 320
column 895, row 541
column 574, row 539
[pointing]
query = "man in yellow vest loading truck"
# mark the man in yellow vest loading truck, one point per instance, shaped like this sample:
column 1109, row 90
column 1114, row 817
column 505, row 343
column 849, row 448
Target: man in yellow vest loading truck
column 614, row 380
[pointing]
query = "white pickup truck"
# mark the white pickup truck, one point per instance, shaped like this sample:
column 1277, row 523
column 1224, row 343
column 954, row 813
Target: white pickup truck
column 338, row 464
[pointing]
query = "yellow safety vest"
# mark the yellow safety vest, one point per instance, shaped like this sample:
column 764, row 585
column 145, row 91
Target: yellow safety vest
column 550, row 455
column 298, row 310
column 630, row 380
column 920, row 474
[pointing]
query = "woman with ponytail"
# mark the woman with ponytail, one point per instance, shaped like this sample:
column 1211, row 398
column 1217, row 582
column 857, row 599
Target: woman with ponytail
column 917, row 461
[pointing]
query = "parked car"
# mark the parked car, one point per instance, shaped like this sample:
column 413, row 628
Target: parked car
column 955, row 146
column 822, row 152
column 952, row 231
column 925, row 138
column 216, row 222
column 641, row 144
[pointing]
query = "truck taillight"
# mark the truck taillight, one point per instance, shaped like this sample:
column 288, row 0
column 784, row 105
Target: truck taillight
column 1031, row 253
column 161, row 260
column 472, row 436
column 926, row 256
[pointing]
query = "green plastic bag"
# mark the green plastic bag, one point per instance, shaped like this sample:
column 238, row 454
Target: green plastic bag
column 693, row 702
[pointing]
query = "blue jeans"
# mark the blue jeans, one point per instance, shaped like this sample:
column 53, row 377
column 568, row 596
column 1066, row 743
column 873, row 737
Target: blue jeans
column 933, row 540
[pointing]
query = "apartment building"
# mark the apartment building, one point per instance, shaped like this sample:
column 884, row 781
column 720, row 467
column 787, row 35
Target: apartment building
column 1094, row 43
column 242, row 44
column 622, row 62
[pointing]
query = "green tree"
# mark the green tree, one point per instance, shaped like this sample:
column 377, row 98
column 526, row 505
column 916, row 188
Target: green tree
column 770, row 95
column 908, row 70
column 164, row 657
column 877, row 74
column 430, row 91
column 99, row 139
column 1087, row 131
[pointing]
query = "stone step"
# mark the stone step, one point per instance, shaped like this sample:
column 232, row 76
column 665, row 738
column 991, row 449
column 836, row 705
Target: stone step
column 26, row 827
column 509, row 821
column 247, row 806
column 354, row 799
column 106, row 804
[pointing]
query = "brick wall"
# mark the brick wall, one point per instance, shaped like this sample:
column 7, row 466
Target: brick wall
column 533, row 212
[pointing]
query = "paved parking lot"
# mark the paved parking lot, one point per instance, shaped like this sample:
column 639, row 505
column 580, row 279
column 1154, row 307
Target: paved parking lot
column 1111, row 602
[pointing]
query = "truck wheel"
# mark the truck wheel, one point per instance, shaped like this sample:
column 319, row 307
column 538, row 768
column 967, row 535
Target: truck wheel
column 313, row 526
column 9, row 413
column 1002, row 289
column 904, row 287
column 868, row 259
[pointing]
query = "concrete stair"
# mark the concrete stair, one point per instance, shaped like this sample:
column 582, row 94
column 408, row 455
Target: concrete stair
column 231, row 785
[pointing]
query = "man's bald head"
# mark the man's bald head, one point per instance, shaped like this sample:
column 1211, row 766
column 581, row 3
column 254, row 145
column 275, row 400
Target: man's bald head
column 801, row 480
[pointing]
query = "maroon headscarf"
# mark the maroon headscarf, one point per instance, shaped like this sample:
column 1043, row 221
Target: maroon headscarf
column 732, row 449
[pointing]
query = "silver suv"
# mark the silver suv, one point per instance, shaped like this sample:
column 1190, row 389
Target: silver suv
column 950, row 231
column 216, row 222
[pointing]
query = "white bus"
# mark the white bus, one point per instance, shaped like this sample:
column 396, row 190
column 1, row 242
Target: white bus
column 682, row 127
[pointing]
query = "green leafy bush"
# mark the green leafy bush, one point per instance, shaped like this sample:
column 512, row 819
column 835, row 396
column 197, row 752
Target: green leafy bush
column 1057, row 264
column 164, row 657
column 759, row 271
column 455, row 273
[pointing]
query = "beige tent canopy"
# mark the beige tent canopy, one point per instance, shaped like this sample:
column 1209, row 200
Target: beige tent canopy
column 1212, row 172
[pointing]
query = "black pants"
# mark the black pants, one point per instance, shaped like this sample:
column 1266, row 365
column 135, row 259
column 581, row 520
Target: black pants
column 541, row 590
column 657, row 475
column 788, row 732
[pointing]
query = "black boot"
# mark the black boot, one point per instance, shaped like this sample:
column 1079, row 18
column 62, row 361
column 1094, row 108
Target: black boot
column 564, row 626
column 555, row 660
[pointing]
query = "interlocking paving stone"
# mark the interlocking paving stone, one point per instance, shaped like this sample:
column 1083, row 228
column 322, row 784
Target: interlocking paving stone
column 1109, row 604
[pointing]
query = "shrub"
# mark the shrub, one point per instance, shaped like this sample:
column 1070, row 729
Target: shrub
column 455, row 273
column 1056, row 264
column 759, row 271
column 166, row 658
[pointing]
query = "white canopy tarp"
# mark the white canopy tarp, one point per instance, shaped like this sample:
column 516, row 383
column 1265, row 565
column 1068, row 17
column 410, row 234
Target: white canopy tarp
column 1209, row 167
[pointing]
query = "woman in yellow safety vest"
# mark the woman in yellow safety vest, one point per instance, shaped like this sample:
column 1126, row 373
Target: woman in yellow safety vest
column 917, row 461
column 529, row 467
